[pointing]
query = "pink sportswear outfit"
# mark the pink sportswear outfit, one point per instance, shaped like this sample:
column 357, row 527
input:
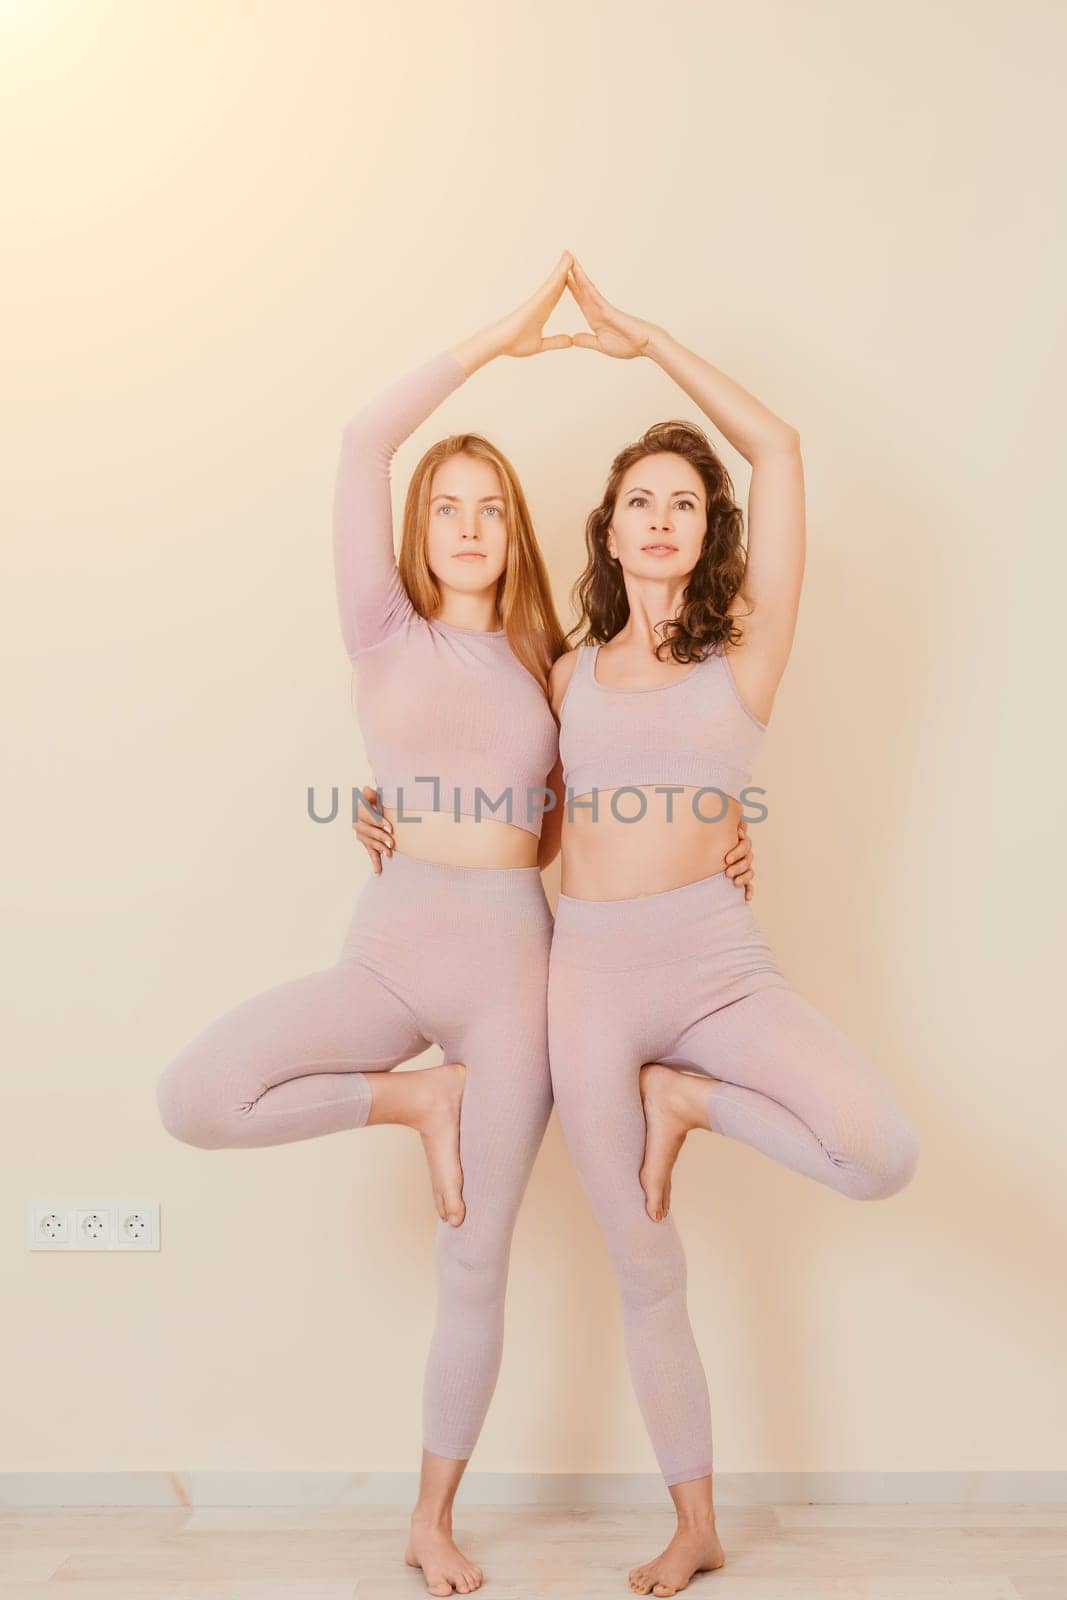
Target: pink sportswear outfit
column 433, row 954
column 686, row 977
column 695, row 731
column 444, row 711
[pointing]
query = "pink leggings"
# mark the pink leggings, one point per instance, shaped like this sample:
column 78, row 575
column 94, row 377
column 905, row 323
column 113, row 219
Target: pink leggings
column 434, row 954
column 686, row 977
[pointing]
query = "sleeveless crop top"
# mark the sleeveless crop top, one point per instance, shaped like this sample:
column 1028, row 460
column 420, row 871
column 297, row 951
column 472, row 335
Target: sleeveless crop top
column 444, row 711
column 695, row 731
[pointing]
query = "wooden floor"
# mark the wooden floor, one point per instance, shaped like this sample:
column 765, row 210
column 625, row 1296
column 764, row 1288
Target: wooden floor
column 800, row 1552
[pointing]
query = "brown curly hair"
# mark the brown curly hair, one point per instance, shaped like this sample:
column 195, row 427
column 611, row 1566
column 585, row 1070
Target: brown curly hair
column 703, row 621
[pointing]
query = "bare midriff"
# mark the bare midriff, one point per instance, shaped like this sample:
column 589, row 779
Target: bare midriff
column 612, row 859
column 468, row 842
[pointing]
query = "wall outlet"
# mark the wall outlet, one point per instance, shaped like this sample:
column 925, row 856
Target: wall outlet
column 49, row 1227
column 136, row 1225
column 93, row 1225
column 92, row 1230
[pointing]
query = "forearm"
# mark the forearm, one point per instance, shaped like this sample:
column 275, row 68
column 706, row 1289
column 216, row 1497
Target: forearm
column 478, row 349
column 381, row 426
column 371, row 598
column 548, row 845
column 547, row 849
column 746, row 422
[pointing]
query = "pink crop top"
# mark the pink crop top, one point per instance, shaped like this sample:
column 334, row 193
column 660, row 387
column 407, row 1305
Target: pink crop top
column 444, row 711
column 694, row 731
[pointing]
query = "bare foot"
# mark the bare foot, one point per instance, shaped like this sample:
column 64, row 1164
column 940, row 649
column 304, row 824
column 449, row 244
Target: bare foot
column 694, row 1548
column 444, row 1566
column 674, row 1104
column 438, row 1124
column 428, row 1100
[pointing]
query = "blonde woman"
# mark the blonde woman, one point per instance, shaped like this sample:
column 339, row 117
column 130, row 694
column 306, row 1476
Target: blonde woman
column 451, row 653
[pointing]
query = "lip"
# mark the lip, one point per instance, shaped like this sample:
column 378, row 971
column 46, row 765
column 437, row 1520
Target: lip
column 469, row 555
column 661, row 548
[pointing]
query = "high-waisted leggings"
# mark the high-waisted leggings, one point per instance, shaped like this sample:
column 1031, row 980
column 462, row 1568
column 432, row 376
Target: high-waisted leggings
column 434, row 954
column 686, row 977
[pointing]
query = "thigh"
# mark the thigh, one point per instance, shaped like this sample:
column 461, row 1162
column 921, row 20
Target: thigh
column 598, row 1037
column 778, row 1044
column 342, row 1019
column 600, row 1033
column 499, row 1032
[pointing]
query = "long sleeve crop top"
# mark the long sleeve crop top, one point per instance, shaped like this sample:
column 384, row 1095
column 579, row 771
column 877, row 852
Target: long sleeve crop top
column 451, row 719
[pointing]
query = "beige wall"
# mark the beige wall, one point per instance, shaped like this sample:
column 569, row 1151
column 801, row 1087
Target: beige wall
column 225, row 226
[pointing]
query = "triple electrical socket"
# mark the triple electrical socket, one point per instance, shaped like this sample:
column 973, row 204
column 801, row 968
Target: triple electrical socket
column 93, row 1225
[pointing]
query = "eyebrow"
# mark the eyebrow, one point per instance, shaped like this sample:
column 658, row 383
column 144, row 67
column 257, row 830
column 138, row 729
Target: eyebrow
column 636, row 488
column 481, row 502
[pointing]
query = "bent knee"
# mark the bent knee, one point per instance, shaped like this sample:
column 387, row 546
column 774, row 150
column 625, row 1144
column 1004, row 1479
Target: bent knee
column 888, row 1170
column 186, row 1119
column 905, row 1161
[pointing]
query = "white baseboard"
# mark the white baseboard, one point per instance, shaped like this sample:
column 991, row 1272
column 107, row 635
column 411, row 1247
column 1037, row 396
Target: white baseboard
column 185, row 1490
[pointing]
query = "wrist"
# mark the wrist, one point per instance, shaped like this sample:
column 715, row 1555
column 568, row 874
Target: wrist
column 481, row 347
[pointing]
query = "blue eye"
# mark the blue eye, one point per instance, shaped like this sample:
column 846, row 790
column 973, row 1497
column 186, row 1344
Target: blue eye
column 494, row 509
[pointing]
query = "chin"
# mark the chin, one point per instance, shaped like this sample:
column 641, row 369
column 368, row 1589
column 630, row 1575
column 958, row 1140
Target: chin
column 466, row 583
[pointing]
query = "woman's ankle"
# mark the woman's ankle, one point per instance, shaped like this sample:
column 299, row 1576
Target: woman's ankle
column 406, row 1099
column 433, row 1516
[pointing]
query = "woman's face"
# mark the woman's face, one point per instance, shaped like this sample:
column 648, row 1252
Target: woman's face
column 660, row 518
column 467, row 537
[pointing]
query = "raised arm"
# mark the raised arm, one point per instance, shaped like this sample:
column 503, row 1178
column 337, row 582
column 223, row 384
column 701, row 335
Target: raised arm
column 371, row 600
column 774, row 564
column 774, row 570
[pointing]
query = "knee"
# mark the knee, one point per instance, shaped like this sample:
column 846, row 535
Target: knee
column 649, row 1265
column 182, row 1116
column 905, row 1161
column 888, row 1169
column 472, row 1266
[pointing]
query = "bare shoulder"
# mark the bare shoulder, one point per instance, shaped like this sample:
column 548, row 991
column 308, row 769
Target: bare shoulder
column 560, row 676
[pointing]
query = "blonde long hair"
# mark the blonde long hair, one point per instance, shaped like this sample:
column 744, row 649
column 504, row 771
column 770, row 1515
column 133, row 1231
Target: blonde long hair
column 524, row 595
